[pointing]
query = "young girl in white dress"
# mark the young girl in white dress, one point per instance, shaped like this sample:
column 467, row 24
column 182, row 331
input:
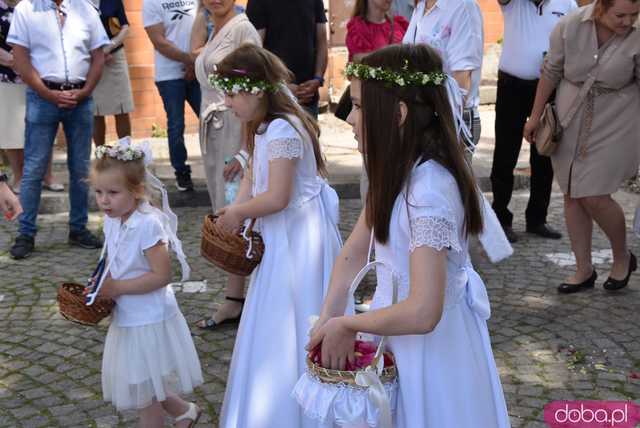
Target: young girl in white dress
column 421, row 213
column 149, row 356
column 297, row 214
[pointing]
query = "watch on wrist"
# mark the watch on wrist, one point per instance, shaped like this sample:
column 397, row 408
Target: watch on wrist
column 3, row 177
column 319, row 79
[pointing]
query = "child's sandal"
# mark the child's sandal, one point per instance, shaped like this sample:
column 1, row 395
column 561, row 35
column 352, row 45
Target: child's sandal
column 194, row 412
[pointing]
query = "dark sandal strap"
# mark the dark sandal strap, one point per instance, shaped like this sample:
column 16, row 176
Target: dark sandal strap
column 235, row 299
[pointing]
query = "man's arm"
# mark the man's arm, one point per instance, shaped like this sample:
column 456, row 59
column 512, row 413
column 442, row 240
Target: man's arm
column 30, row 76
column 307, row 90
column 165, row 47
column 322, row 49
column 93, row 76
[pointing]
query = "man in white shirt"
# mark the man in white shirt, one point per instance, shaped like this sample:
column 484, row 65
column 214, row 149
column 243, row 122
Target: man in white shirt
column 57, row 49
column 168, row 24
column 403, row 8
column 527, row 26
column 455, row 29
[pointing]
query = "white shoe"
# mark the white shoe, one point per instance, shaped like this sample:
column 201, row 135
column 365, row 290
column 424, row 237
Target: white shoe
column 362, row 307
column 194, row 412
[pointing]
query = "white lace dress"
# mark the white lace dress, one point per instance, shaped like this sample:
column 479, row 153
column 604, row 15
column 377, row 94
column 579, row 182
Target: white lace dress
column 447, row 378
column 289, row 285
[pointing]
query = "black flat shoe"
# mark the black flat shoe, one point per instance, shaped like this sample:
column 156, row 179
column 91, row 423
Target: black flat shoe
column 566, row 288
column 510, row 234
column 211, row 324
column 544, row 231
column 617, row 284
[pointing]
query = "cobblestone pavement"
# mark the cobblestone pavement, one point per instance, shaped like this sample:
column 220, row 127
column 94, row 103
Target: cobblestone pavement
column 547, row 346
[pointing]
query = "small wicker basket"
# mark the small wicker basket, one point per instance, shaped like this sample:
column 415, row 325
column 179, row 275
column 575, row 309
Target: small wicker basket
column 237, row 253
column 348, row 377
column 71, row 302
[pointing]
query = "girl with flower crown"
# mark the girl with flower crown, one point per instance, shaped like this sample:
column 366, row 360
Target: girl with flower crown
column 149, row 356
column 297, row 214
column 419, row 214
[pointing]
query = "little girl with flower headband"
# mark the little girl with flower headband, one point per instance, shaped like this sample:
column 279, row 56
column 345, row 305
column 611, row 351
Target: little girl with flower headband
column 149, row 356
column 297, row 215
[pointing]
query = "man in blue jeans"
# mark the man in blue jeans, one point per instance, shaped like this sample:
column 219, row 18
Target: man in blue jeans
column 168, row 24
column 61, row 64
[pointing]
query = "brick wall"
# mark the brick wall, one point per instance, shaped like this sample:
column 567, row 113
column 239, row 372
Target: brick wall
column 148, row 105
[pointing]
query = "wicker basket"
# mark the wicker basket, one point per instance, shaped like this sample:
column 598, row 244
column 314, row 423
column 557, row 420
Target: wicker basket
column 71, row 302
column 237, row 253
column 347, row 377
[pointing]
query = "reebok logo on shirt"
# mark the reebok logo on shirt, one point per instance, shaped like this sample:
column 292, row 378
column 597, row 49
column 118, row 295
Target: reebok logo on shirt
column 180, row 13
column 177, row 4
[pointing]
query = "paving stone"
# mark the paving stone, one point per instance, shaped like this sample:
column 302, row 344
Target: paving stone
column 49, row 368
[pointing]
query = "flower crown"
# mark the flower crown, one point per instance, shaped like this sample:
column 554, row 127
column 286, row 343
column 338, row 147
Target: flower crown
column 400, row 78
column 121, row 152
column 235, row 85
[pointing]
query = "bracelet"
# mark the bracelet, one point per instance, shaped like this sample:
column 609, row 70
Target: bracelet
column 3, row 178
column 319, row 79
column 241, row 160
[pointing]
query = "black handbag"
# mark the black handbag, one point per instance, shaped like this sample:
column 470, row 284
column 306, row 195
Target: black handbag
column 344, row 105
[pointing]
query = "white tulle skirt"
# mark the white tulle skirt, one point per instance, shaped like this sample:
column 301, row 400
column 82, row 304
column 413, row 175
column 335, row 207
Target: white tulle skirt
column 149, row 362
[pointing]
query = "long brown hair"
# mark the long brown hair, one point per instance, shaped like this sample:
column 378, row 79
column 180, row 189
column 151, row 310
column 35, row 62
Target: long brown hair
column 259, row 64
column 428, row 132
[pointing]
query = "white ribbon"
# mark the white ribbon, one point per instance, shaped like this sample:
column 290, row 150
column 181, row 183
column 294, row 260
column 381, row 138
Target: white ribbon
column 370, row 379
column 167, row 216
column 493, row 240
column 456, row 100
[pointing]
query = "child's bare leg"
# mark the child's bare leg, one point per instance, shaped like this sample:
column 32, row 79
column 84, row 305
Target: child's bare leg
column 151, row 416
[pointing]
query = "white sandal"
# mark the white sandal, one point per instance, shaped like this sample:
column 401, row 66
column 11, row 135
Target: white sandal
column 194, row 412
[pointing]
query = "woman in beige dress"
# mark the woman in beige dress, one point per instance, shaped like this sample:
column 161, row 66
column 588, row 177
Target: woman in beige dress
column 112, row 96
column 600, row 146
column 221, row 132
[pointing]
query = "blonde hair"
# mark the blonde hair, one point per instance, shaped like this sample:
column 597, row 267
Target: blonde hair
column 131, row 171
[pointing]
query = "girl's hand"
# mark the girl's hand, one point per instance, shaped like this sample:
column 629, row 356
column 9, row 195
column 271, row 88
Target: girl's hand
column 319, row 323
column 109, row 288
column 530, row 128
column 229, row 219
column 337, row 341
column 232, row 170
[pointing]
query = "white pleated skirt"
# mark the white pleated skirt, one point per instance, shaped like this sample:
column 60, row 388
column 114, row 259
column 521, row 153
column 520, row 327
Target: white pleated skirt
column 149, row 362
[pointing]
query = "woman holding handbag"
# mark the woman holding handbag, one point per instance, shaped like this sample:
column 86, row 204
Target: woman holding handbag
column 221, row 132
column 594, row 65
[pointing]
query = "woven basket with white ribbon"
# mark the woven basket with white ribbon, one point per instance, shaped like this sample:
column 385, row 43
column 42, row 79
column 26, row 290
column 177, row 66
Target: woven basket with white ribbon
column 359, row 398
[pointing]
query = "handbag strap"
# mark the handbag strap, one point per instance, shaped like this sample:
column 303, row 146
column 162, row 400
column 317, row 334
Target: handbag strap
column 393, row 22
column 586, row 86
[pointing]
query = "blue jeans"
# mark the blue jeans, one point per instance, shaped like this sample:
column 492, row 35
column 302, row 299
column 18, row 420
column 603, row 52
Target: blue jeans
column 42, row 120
column 174, row 93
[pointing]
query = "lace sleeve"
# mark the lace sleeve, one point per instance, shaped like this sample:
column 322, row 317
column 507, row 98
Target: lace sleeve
column 435, row 232
column 285, row 148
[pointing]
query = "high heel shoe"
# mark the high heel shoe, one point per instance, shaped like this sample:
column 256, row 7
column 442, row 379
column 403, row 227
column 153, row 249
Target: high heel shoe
column 612, row 284
column 566, row 288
